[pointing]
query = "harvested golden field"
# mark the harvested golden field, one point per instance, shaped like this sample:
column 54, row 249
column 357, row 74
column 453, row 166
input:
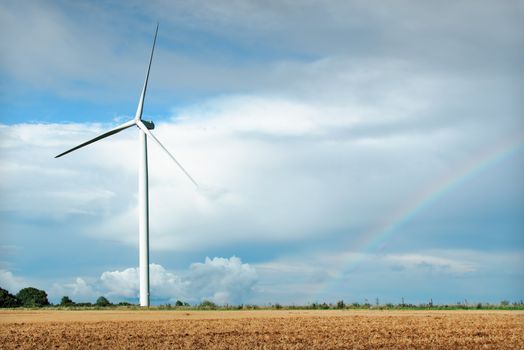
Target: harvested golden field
column 328, row 329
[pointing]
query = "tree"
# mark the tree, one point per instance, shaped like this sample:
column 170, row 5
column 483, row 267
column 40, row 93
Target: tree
column 66, row 301
column 341, row 304
column 207, row 304
column 102, row 301
column 32, row 297
column 7, row 299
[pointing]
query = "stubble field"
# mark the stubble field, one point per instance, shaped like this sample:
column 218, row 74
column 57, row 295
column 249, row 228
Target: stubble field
column 283, row 329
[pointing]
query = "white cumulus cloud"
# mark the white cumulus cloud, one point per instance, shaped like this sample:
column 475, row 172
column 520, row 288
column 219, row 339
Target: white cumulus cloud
column 11, row 282
column 221, row 280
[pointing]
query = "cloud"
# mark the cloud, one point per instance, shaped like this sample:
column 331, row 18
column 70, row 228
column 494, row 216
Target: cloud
column 125, row 283
column 431, row 263
column 11, row 282
column 271, row 169
column 80, row 289
column 77, row 50
column 446, row 275
column 222, row 280
column 314, row 276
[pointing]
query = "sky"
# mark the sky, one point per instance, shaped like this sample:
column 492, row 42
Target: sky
column 345, row 150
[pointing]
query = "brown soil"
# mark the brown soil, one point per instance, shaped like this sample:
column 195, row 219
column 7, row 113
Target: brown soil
column 118, row 329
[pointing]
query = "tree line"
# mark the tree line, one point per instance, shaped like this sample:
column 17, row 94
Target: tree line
column 32, row 297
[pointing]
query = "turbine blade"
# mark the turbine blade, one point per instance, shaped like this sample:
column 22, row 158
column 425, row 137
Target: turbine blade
column 150, row 134
column 140, row 107
column 104, row 135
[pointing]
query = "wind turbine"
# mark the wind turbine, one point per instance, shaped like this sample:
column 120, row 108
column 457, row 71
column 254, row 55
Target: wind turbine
column 144, row 128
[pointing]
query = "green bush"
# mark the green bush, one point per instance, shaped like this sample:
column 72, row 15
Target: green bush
column 84, row 304
column 102, row 302
column 7, row 299
column 32, row 297
column 207, row 304
column 66, row 301
column 124, row 303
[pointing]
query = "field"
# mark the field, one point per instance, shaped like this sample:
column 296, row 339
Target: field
column 260, row 329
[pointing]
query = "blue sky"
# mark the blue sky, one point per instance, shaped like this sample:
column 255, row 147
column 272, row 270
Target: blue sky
column 346, row 150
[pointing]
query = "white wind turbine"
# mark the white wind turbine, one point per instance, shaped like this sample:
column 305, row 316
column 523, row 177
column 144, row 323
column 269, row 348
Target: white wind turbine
column 143, row 201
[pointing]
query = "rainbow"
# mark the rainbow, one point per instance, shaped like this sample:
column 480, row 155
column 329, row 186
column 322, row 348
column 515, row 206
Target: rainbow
column 374, row 239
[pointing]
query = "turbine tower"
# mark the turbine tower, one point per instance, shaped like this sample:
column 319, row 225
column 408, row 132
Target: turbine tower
column 144, row 132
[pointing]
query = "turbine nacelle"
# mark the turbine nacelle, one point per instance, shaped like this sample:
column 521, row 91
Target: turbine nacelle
column 149, row 125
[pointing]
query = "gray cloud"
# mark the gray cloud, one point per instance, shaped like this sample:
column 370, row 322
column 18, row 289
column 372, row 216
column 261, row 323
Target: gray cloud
column 80, row 50
column 355, row 276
